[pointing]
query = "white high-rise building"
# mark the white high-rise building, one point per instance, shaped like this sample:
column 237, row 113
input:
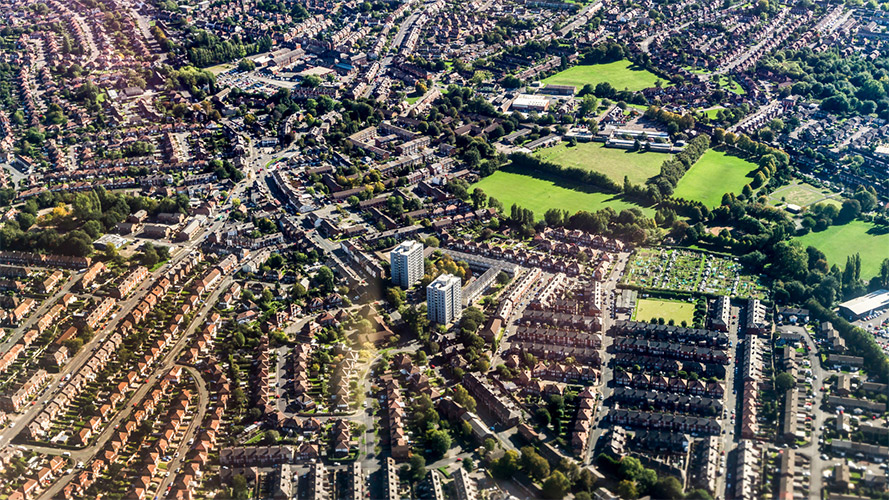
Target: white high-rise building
column 444, row 299
column 407, row 263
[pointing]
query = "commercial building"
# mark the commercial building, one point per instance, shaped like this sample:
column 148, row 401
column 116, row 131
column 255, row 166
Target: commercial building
column 444, row 298
column 407, row 263
column 862, row 306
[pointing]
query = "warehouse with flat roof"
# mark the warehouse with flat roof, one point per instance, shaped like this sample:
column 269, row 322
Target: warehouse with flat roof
column 860, row 307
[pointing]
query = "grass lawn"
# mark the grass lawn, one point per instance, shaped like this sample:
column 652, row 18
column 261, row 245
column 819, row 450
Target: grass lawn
column 732, row 86
column 220, row 68
column 620, row 74
column 613, row 162
column 668, row 309
column 799, row 193
column 715, row 174
column 864, row 238
column 712, row 112
column 539, row 194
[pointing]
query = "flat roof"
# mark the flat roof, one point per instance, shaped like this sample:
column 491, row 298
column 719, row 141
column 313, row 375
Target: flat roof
column 867, row 303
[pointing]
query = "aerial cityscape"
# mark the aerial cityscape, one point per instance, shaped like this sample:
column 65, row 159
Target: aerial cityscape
column 430, row 249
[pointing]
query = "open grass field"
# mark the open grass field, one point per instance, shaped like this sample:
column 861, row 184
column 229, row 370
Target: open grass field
column 678, row 311
column 615, row 163
column 715, row 174
column 620, row 74
column 864, row 238
column 540, row 194
column 801, row 194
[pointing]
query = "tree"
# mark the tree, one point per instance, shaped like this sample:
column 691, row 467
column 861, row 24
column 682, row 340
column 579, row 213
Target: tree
column 490, row 444
column 478, row 198
column 271, row 437
column 556, row 485
column 507, row 465
column 239, row 487
column 246, row 65
column 418, row 467
column 325, row 280
column 502, row 278
column 850, row 210
column 627, row 490
column 461, row 396
column 791, row 259
column 149, row 256
column 468, row 464
column 396, row 296
column 438, row 441
column 668, row 488
column 784, row 382
column 536, row 466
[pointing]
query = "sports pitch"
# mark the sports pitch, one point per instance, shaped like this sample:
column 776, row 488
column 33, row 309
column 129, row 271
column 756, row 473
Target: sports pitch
column 540, row 194
column 678, row 311
column 620, row 74
column 713, row 175
column 615, row 163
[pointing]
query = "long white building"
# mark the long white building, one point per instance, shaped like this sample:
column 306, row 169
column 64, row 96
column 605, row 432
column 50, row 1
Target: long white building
column 444, row 299
column 407, row 263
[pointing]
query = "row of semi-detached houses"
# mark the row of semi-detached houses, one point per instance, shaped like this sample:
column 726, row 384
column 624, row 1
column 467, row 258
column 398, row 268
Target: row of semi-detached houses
column 558, row 337
column 667, row 401
column 99, row 359
column 300, row 368
column 13, row 402
column 91, row 274
column 751, row 372
column 102, row 310
column 16, row 350
column 173, row 277
column 198, row 457
column 38, row 427
column 586, row 355
column 173, row 421
column 677, row 385
column 118, row 442
column 396, row 414
column 520, row 256
column 532, row 381
column 584, row 238
column 583, row 422
column 19, row 313
column 130, row 281
column 671, row 349
column 214, row 275
column 558, row 297
column 54, row 313
column 664, row 421
column 43, row 260
column 641, row 329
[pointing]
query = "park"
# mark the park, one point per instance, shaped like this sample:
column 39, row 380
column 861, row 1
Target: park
column 715, row 174
column 868, row 240
column 613, row 162
column 803, row 195
column 620, row 74
column 540, row 193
